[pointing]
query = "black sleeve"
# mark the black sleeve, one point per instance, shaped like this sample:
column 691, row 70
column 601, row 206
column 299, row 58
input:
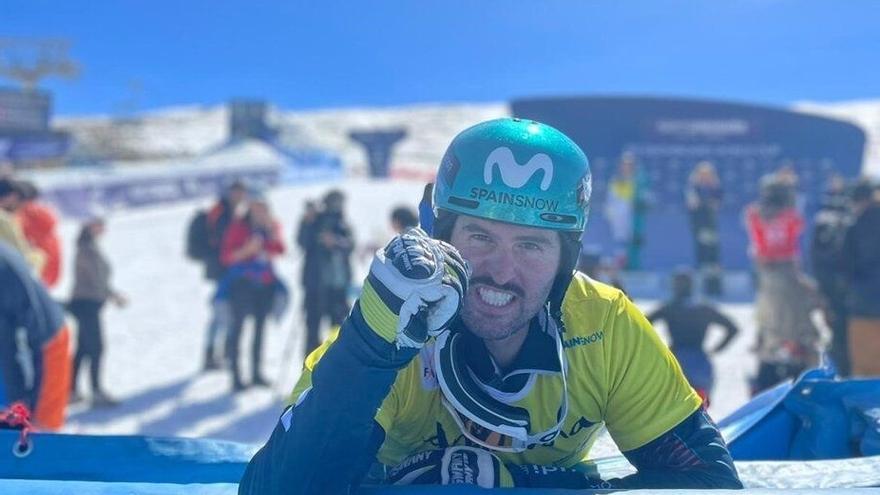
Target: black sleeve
column 323, row 444
column 691, row 455
column 729, row 327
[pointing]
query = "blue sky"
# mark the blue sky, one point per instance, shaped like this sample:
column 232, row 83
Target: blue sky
column 392, row 52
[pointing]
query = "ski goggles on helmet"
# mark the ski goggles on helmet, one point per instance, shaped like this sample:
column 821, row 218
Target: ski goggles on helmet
column 502, row 413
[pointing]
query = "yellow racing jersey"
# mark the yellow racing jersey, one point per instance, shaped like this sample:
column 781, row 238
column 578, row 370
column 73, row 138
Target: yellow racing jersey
column 620, row 375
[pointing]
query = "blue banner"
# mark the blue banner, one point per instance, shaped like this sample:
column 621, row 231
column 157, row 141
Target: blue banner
column 82, row 200
column 36, row 146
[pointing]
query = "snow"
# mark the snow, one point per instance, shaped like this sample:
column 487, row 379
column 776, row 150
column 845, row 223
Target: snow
column 182, row 133
column 154, row 346
column 168, row 133
column 246, row 155
column 863, row 113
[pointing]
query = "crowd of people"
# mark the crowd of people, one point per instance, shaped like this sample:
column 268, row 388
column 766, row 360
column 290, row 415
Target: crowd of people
column 806, row 310
column 236, row 241
column 801, row 318
column 40, row 361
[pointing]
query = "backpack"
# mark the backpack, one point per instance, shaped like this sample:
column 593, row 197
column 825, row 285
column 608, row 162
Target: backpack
column 198, row 242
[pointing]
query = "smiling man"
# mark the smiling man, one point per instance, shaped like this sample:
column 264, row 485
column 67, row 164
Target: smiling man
column 478, row 355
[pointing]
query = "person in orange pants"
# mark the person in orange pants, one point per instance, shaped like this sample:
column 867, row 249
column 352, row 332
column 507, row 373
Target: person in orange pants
column 34, row 344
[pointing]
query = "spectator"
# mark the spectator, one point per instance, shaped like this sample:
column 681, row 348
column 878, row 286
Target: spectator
column 250, row 283
column 703, row 199
column 34, row 344
column 10, row 229
column 687, row 322
column 861, row 266
column 310, row 275
column 91, row 290
column 327, row 241
column 218, row 218
column 403, row 218
column 625, row 209
column 826, row 257
column 38, row 223
column 788, row 341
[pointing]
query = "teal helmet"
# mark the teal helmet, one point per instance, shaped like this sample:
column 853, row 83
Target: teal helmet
column 516, row 171
column 520, row 172
column 524, row 173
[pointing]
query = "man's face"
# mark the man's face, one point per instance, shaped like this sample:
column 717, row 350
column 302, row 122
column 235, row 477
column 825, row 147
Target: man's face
column 513, row 271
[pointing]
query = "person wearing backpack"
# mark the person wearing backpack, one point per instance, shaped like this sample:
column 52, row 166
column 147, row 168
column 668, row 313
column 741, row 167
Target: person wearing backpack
column 204, row 240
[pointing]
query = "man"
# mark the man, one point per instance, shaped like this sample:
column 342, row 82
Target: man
column 500, row 374
column 861, row 263
column 34, row 344
column 687, row 321
column 327, row 242
column 830, row 224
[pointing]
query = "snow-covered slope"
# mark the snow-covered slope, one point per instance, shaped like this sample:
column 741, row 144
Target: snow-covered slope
column 865, row 114
column 429, row 129
column 189, row 131
column 154, row 346
column 169, row 133
column 186, row 132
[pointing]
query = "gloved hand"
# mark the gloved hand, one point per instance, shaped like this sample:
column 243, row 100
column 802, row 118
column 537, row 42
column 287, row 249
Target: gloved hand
column 452, row 466
column 414, row 289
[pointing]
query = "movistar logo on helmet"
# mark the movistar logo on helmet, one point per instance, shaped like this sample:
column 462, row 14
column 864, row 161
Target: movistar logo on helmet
column 512, row 173
column 515, row 176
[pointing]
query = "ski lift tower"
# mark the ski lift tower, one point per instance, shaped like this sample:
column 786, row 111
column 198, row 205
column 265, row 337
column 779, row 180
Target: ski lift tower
column 26, row 139
column 29, row 61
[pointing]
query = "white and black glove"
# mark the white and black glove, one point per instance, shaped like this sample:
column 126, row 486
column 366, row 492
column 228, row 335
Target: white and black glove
column 474, row 466
column 452, row 466
column 414, row 289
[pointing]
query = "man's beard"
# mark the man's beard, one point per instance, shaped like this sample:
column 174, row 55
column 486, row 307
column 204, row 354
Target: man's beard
column 488, row 328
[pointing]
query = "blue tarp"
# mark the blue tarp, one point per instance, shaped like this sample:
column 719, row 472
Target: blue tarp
column 815, row 418
column 818, row 417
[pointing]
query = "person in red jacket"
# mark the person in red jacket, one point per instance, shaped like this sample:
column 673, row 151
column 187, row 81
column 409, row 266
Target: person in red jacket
column 250, row 283
column 38, row 223
column 788, row 340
